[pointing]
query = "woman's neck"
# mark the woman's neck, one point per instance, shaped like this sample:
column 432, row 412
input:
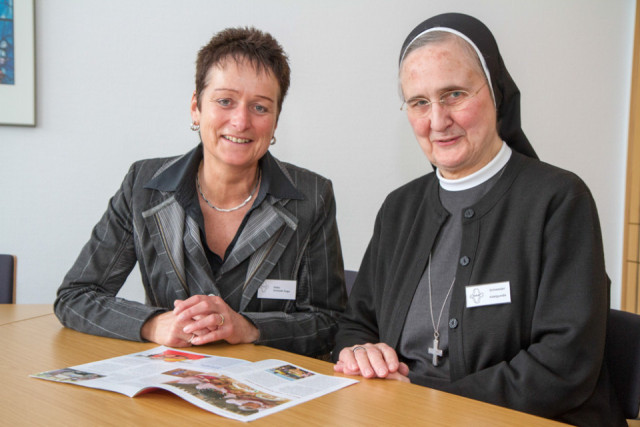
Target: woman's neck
column 227, row 187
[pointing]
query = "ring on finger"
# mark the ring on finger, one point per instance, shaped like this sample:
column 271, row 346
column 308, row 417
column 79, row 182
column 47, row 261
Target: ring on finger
column 358, row 347
column 221, row 320
column 191, row 339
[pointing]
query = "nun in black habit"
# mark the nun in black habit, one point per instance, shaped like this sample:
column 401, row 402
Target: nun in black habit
column 485, row 278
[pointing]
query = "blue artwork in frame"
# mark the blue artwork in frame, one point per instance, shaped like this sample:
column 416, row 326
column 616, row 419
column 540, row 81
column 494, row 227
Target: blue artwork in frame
column 7, row 61
column 17, row 63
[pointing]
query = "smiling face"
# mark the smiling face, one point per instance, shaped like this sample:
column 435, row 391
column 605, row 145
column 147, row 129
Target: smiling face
column 238, row 114
column 460, row 142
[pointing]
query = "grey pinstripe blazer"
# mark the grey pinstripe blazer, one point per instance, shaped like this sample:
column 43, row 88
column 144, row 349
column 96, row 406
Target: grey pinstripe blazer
column 287, row 239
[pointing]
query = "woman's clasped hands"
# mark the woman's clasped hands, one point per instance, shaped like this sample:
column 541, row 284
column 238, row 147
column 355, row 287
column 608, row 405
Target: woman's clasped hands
column 198, row 320
column 372, row 361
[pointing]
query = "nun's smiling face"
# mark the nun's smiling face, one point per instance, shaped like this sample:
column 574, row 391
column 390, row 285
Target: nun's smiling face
column 460, row 140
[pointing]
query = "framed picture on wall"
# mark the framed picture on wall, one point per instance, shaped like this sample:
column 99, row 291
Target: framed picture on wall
column 17, row 63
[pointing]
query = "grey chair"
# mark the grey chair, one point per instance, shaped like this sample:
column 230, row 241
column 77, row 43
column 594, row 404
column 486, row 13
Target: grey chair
column 623, row 359
column 8, row 279
column 349, row 278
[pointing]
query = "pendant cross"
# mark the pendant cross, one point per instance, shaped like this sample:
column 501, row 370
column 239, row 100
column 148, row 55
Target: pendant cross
column 435, row 351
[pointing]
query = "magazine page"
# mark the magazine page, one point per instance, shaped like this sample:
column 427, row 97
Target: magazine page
column 254, row 390
column 133, row 373
column 233, row 388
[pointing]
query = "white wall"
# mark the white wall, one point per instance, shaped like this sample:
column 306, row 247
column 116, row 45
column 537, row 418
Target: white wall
column 114, row 80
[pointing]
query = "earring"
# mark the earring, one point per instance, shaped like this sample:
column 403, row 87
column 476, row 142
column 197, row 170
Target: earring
column 195, row 127
column 273, row 141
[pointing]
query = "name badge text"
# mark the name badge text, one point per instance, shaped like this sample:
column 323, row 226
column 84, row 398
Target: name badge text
column 489, row 294
column 278, row 289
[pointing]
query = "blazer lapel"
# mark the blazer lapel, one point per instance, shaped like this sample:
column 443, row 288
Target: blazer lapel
column 264, row 239
column 261, row 227
column 165, row 223
column 178, row 248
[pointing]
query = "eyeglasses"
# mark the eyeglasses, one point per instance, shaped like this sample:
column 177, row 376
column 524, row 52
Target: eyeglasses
column 452, row 100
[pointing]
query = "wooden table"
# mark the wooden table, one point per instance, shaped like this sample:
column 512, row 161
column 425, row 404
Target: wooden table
column 40, row 343
column 16, row 312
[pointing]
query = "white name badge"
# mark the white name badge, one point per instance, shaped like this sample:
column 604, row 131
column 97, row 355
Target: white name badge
column 489, row 294
column 278, row 289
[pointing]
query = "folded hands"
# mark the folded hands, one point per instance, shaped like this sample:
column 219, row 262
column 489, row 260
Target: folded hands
column 198, row 320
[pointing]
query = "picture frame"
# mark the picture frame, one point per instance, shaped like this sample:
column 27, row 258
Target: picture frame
column 17, row 63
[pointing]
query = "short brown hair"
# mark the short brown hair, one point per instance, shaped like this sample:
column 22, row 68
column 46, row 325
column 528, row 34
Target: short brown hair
column 244, row 44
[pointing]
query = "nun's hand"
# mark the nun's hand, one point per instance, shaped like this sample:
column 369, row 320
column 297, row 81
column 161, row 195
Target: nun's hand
column 372, row 361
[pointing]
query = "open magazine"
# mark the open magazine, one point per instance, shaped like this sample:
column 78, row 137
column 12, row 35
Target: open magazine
column 233, row 388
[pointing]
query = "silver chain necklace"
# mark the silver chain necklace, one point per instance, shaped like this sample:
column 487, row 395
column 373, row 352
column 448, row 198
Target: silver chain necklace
column 435, row 351
column 241, row 205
